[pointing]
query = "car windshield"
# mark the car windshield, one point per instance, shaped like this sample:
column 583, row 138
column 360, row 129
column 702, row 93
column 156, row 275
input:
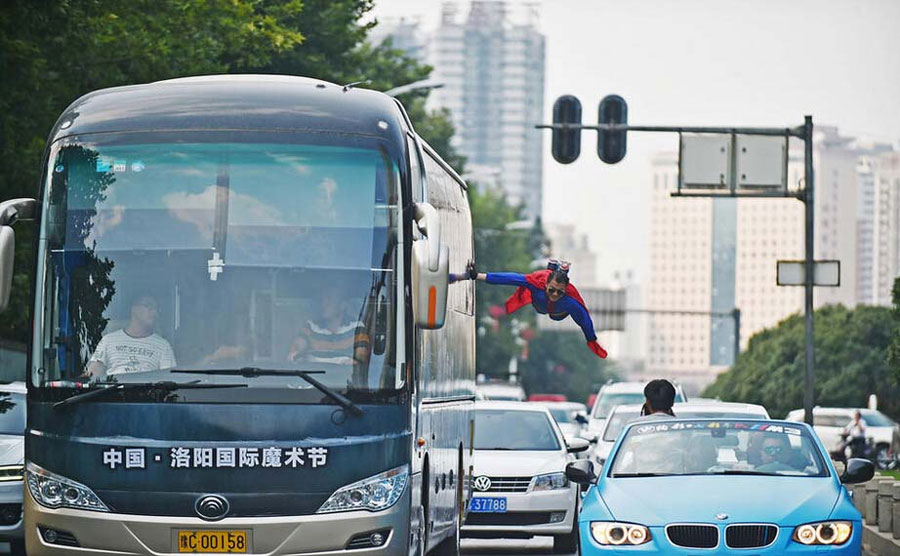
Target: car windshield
column 220, row 256
column 12, row 413
column 500, row 429
column 606, row 402
column 562, row 415
column 717, row 447
column 617, row 422
column 876, row 419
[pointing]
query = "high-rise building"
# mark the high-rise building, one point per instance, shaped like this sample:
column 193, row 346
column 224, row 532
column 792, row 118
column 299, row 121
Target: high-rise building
column 886, row 227
column 491, row 65
column 405, row 33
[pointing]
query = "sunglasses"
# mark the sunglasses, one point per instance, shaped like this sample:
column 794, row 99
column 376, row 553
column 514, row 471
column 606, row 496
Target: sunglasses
column 554, row 291
column 772, row 450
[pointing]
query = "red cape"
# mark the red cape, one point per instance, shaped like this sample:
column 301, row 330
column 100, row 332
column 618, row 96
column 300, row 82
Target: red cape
column 522, row 296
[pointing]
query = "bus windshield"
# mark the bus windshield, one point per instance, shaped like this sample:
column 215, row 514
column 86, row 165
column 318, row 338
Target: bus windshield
column 170, row 256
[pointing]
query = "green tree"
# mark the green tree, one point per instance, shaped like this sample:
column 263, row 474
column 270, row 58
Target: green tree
column 51, row 55
column 893, row 355
column 851, row 363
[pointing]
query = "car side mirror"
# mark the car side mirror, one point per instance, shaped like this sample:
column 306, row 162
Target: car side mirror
column 430, row 270
column 10, row 212
column 581, row 472
column 580, row 418
column 858, row 471
column 575, row 445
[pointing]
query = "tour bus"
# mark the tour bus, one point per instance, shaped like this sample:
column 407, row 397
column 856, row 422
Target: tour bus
column 244, row 336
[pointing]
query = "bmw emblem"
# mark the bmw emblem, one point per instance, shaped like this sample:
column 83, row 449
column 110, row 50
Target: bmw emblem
column 721, row 517
column 211, row 507
column 482, row 483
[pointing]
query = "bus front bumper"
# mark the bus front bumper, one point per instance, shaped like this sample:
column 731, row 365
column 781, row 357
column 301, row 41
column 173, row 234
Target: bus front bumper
column 78, row 532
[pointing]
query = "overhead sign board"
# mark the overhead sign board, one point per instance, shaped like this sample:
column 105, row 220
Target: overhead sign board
column 761, row 162
column 704, row 161
column 793, row 273
column 732, row 162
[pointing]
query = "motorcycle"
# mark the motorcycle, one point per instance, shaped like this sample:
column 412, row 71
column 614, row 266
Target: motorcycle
column 878, row 455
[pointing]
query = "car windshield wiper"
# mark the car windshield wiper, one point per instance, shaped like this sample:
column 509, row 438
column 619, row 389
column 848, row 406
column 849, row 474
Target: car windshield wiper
column 620, row 475
column 250, row 372
column 742, row 472
column 166, row 385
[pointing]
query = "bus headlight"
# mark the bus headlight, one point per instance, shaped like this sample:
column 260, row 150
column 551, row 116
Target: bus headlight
column 826, row 532
column 551, row 481
column 54, row 491
column 378, row 492
column 612, row 533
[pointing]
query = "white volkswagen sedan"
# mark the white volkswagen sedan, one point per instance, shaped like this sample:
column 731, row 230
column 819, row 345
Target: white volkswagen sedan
column 520, row 486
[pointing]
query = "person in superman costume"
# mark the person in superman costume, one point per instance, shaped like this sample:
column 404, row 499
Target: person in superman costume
column 548, row 291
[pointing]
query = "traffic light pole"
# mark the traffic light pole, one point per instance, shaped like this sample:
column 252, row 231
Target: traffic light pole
column 805, row 134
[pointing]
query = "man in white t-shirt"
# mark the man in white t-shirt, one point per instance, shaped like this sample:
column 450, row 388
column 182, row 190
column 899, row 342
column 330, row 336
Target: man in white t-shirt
column 134, row 348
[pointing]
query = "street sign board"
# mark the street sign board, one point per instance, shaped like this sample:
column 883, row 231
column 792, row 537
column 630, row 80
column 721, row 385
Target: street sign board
column 793, row 273
column 761, row 162
column 704, row 161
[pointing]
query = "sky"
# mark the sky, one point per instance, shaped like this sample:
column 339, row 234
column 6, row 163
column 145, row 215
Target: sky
column 698, row 62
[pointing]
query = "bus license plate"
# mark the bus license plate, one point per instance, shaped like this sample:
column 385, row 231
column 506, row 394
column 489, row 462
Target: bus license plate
column 212, row 541
column 488, row 505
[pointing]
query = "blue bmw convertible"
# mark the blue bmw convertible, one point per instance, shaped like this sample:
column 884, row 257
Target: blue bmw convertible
column 677, row 486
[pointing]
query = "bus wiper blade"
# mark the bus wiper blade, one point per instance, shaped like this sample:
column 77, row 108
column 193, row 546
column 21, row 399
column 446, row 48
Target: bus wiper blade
column 166, row 385
column 249, row 372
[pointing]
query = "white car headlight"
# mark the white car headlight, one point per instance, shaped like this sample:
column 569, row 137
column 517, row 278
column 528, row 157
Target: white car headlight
column 613, row 533
column 378, row 492
column 54, row 491
column 550, row 481
column 825, row 532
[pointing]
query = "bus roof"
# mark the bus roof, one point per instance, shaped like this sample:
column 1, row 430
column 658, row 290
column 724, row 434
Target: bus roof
column 233, row 102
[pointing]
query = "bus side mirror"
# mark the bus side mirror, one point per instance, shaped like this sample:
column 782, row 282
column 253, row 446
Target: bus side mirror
column 430, row 270
column 10, row 212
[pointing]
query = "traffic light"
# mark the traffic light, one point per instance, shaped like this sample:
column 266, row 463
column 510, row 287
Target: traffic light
column 566, row 144
column 611, row 144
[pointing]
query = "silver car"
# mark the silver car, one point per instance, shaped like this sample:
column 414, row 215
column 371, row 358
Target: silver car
column 520, row 486
column 12, row 460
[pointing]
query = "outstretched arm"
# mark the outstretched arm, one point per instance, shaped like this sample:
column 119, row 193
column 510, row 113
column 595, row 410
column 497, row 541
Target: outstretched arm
column 583, row 318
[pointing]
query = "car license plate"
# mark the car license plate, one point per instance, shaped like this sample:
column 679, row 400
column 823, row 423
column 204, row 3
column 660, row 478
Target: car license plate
column 212, row 541
column 488, row 505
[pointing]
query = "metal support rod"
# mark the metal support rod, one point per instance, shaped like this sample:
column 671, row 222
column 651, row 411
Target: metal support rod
column 736, row 314
column 772, row 131
column 808, row 395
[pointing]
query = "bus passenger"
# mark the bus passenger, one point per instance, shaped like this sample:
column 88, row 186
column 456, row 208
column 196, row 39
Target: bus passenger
column 136, row 347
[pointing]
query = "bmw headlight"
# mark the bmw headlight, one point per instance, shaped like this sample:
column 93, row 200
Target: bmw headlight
column 53, row 491
column 550, row 481
column 825, row 532
column 378, row 492
column 613, row 533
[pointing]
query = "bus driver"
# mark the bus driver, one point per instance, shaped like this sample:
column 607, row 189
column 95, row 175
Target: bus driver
column 134, row 348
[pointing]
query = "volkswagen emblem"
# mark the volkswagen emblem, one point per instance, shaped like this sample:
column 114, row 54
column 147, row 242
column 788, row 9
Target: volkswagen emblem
column 211, row 507
column 721, row 517
column 482, row 483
